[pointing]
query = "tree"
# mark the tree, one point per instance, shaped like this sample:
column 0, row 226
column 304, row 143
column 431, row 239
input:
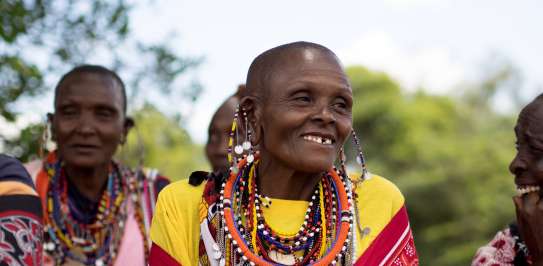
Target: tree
column 45, row 37
column 169, row 149
column 448, row 155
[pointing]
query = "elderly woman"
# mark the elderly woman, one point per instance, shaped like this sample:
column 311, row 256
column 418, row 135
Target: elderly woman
column 284, row 202
column 522, row 243
column 97, row 211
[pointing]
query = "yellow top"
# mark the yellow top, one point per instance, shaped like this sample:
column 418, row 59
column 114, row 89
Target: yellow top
column 176, row 224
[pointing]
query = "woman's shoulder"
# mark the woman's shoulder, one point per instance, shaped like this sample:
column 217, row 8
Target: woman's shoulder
column 12, row 170
column 181, row 194
column 14, row 177
column 379, row 196
column 378, row 186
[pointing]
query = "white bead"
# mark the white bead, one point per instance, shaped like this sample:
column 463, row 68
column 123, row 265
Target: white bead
column 238, row 149
column 250, row 158
column 246, row 145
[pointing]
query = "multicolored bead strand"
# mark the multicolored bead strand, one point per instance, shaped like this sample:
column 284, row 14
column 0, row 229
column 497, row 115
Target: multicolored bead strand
column 322, row 239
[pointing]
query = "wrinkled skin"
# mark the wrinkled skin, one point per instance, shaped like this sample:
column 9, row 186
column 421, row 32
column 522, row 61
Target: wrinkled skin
column 527, row 166
column 88, row 125
column 306, row 94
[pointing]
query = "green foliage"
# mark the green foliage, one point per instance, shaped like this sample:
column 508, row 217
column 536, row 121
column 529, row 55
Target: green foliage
column 39, row 37
column 163, row 144
column 448, row 156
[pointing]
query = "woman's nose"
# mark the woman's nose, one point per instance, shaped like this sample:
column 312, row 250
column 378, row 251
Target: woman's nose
column 518, row 165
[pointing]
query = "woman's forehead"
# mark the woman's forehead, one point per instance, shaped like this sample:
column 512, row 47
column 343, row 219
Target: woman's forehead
column 90, row 87
column 531, row 119
column 308, row 67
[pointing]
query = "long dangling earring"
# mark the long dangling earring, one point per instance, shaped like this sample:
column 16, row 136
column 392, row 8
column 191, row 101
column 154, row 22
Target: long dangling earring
column 140, row 147
column 342, row 161
column 234, row 149
column 238, row 149
column 365, row 176
column 44, row 139
column 247, row 145
column 360, row 156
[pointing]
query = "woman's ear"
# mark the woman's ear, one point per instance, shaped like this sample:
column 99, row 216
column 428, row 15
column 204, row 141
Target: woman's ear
column 252, row 107
column 129, row 123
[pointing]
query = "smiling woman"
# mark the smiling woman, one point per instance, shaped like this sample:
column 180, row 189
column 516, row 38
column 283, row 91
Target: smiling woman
column 96, row 211
column 283, row 202
column 522, row 242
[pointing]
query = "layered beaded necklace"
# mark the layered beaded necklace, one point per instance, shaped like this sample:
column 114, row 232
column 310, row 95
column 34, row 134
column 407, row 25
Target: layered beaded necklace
column 69, row 235
column 325, row 237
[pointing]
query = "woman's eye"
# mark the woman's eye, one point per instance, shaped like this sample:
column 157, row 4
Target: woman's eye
column 303, row 99
column 104, row 113
column 69, row 111
column 536, row 150
column 341, row 105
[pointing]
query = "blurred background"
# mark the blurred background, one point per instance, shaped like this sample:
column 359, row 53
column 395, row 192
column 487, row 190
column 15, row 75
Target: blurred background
column 437, row 86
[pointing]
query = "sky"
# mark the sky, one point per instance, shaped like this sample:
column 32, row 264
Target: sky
column 434, row 44
column 430, row 44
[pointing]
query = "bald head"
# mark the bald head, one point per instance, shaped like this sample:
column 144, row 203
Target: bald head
column 266, row 64
column 535, row 104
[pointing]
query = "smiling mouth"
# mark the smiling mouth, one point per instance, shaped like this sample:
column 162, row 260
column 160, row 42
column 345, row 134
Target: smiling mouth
column 85, row 147
column 319, row 139
column 525, row 189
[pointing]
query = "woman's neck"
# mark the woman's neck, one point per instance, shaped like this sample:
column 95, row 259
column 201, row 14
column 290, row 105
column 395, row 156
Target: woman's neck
column 276, row 180
column 88, row 181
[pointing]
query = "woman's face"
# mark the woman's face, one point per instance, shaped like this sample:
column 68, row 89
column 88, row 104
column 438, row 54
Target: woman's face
column 306, row 113
column 89, row 120
column 527, row 166
column 218, row 135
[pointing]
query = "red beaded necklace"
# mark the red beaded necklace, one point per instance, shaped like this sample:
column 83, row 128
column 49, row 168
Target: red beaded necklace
column 323, row 239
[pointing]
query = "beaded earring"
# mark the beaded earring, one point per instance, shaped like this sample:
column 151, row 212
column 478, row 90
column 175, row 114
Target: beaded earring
column 360, row 156
column 44, row 139
column 360, row 160
column 238, row 148
column 247, row 146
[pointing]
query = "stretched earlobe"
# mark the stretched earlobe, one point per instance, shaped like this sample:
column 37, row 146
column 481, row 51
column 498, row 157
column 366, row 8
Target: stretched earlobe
column 129, row 123
column 50, row 125
column 251, row 107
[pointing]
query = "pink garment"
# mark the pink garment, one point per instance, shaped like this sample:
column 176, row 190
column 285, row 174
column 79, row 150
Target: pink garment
column 131, row 250
column 499, row 252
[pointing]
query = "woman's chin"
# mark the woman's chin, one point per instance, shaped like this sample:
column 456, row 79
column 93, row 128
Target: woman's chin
column 314, row 166
column 85, row 162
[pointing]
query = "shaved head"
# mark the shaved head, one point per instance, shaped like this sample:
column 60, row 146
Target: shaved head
column 535, row 104
column 265, row 65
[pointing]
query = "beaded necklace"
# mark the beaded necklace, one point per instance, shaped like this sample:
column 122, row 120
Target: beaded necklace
column 324, row 238
column 95, row 243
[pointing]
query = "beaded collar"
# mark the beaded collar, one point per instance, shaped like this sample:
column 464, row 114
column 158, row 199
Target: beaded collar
column 70, row 234
column 325, row 237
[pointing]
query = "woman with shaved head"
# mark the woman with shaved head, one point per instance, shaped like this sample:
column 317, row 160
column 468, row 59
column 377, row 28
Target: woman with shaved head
column 522, row 243
column 283, row 201
column 97, row 211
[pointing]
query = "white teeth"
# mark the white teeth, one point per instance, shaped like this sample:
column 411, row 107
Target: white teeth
column 526, row 189
column 318, row 139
